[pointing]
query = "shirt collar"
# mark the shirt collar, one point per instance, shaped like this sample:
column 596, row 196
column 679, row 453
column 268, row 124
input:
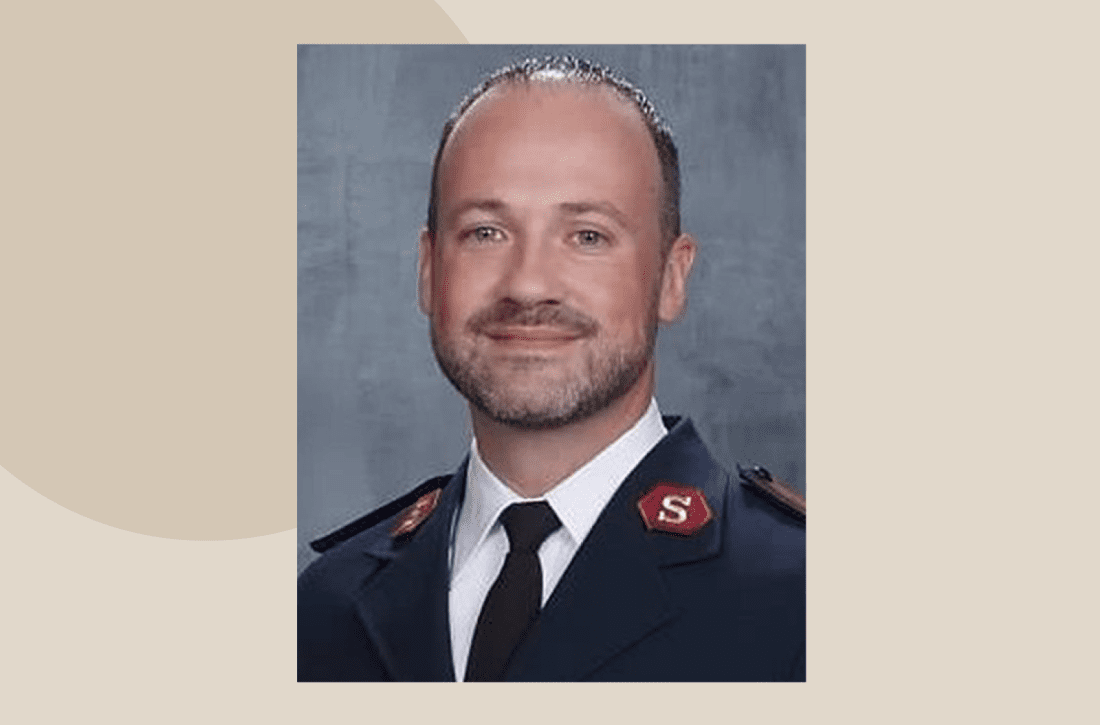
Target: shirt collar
column 577, row 501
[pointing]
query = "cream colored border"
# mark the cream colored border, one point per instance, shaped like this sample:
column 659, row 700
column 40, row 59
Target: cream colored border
column 951, row 165
column 148, row 274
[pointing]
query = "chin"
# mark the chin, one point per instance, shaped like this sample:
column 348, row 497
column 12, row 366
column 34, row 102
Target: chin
column 542, row 407
column 531, row 418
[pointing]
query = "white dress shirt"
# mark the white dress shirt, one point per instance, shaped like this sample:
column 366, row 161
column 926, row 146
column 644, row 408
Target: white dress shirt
column 480, row 544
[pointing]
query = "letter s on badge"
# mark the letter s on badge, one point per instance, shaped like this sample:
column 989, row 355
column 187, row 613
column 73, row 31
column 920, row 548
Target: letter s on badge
column 679, row 513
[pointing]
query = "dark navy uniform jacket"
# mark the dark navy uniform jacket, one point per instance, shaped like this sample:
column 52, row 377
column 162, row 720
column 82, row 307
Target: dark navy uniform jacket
column 725, row 604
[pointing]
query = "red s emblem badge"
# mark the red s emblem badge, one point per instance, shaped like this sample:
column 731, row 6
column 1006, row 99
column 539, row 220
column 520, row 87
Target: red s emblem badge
column 675, row 509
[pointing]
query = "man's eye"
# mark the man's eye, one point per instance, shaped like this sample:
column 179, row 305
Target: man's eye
column 589, row 238
column 486, row 234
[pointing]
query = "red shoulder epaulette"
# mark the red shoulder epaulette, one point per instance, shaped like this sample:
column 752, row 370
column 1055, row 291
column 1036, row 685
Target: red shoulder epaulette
column 378, row 515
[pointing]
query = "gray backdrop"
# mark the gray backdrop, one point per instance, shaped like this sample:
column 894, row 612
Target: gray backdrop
column 375, row 416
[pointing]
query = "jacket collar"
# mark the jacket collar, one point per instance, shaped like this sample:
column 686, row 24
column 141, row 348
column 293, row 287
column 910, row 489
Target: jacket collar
column 404, row 606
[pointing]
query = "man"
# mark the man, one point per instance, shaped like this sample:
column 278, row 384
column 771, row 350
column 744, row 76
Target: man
column 585, row 537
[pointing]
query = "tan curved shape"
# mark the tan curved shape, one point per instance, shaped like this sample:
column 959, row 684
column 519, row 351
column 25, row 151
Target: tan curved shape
column 141, row 385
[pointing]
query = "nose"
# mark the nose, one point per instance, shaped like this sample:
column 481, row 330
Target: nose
column 531, row 274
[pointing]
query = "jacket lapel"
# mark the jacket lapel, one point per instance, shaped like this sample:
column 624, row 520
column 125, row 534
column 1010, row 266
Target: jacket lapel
column 614, row 594
column 404, row 606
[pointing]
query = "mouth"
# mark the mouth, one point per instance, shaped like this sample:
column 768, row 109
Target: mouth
column 531, row 336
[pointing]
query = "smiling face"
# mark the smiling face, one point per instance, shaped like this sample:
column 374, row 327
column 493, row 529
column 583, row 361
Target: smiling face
column 546, row 278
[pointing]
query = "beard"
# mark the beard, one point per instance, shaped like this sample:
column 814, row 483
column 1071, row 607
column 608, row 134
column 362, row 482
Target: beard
column 532, row 391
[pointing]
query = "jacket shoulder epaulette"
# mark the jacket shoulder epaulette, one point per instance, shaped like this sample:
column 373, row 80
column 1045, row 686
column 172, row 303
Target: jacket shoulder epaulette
column 783, row 496
column 377, row 516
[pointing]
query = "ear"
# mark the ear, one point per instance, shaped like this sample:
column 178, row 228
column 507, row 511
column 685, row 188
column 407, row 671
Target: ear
column 424, row 272
column 674, row 279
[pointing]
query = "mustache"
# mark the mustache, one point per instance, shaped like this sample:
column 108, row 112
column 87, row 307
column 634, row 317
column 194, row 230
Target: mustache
column 540, row 314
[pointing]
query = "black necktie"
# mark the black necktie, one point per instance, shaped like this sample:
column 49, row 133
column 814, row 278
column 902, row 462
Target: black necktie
column 513, row 602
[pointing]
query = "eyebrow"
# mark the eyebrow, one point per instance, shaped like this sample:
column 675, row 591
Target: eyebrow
column 479, row 205
column 599, row 207
column 574, row 208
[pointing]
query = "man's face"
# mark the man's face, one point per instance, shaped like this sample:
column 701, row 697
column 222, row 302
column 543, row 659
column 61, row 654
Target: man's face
column 545, row 280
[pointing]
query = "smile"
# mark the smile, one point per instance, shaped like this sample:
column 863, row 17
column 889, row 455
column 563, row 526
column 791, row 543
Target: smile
column 540, row 336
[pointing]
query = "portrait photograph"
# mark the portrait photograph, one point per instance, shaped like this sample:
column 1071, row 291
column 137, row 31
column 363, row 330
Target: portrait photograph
column 551, row 297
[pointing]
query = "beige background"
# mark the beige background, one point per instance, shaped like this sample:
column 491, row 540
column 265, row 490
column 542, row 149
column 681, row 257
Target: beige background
column 150, row 168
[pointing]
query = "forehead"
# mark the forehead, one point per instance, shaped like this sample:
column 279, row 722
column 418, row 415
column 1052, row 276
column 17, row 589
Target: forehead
column 537, row 140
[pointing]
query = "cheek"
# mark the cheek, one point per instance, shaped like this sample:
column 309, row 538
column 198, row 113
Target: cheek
column 447, row 310
column 650, row 270
column 455, row 293
column 622, row 297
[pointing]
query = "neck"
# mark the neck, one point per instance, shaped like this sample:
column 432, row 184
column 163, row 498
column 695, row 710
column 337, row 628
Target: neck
column 531, row 462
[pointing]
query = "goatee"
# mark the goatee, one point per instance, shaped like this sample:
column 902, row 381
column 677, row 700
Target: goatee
column 606, row 373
